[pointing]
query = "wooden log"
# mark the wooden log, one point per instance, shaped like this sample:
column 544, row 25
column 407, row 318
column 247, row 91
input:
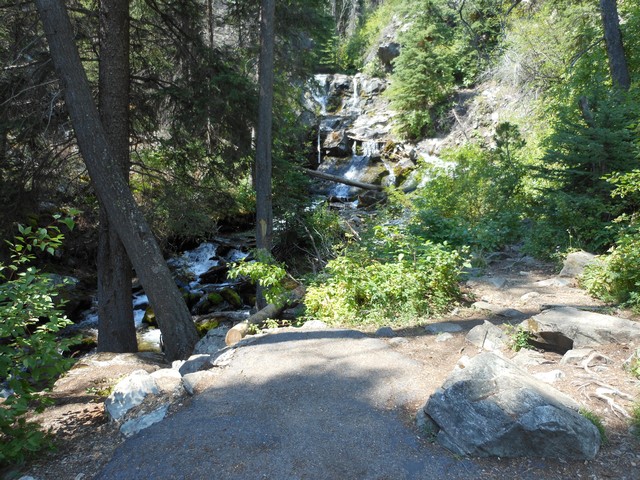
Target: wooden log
column 239, row 331
column 346, row 181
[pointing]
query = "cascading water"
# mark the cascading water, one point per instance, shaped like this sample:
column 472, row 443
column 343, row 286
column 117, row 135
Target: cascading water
column 351, row 171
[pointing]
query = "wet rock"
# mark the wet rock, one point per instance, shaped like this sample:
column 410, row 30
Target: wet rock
column 493, row 408
column 216, row 274
column 231, row 296
column 337, row 144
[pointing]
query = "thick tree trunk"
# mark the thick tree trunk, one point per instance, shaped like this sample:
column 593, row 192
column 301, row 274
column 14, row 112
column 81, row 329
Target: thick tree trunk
column 116, row 328
column 178, row 331
column 615, row 48
column 264, row 206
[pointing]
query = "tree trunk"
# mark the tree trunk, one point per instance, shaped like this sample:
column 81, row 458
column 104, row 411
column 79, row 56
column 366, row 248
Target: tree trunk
column 615, row 48
column 178, row 331
column 116, row 328
column 264, row 207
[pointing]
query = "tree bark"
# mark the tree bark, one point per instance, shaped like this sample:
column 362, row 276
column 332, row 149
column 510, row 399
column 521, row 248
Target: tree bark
column 264, row 206
column 178, row 331
column 116, row 328
column 615, row 48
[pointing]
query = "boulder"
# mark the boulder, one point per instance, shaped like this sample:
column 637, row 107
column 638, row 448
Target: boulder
column 195, row 363
column 385, row 332
column 493, row 408
column 387, row 53
column 130, row 392
column 565, row 328
column 575, row 263
column 337, row 144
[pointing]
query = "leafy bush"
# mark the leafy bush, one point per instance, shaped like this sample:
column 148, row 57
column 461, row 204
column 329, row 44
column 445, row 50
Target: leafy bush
column 391, row 274
column 267, row 271
column 31, row 353
column 616, row 278
column 477, row 202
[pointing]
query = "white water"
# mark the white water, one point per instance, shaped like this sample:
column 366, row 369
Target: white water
column 321, row 92
column 353, row 171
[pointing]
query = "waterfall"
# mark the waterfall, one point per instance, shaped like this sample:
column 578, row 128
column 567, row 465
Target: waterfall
column 351, row 171
column 370, row 148
column 320, row 92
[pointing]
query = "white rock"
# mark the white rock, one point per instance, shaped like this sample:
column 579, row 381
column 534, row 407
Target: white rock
column 130, row 392
column 133, row 426
column 550, row 377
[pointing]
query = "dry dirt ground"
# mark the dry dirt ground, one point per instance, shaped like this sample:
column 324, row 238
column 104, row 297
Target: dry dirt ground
column 86, row 439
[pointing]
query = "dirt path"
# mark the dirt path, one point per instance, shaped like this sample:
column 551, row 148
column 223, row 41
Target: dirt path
column 421, row 360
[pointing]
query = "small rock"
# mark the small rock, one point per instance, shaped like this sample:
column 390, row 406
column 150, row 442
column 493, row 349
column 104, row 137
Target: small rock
column 554, row 282
column 550, row 377
column 528, row 296
column 133, row 426
column 497, row 282
column 385, row 332
column 443, row 337
column 499, row 310
column 398, row 341
column 442, row 327
column 314, row 325
column 526, row 358
column 575, row 356
column 488, row 337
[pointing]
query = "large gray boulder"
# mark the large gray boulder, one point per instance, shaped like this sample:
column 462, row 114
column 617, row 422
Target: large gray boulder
column 565, row 328
column 493, row 408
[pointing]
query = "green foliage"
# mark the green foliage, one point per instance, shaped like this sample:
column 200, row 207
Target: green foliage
column 597, row 421
column 616, row 277
column 267, row 271
column 519, row 337
column 391, row 274
column 477, row 200
column 31, row 352
column 444, row 47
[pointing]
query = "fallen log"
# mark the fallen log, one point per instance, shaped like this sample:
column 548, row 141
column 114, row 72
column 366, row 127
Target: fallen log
column 346, row 181
column 240, row 330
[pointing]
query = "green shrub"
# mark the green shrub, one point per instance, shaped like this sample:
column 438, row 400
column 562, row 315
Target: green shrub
column 31, row 352
column 597, row 422
column 391, row 274
column 267, row 271
column 477, row 202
